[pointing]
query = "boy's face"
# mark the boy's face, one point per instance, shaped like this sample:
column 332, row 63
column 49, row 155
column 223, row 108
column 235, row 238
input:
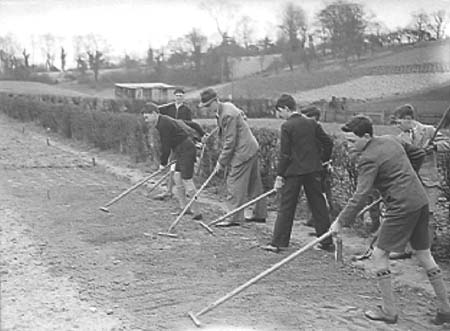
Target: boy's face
column 179, row 97
column 405, row 123
column 282, row 112
column 150, row 117
column 356, row 144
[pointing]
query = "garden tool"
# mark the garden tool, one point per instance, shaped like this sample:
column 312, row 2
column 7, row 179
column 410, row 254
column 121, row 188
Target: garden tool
column 245, row 205
column 443, row 124
column 203, row 149
column 135, row 186
column 369, row 250
column 178, row 219
column 252, row 281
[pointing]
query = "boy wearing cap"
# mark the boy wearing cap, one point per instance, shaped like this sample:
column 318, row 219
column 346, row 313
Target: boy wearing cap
column 240, row 155
column 304, row 147
column 389, row 165
column 178, row 109
column 175, row 139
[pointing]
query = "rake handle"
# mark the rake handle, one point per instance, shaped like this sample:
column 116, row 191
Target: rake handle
column 135, row 186
column 245, row 205
column 174, row 224
column 263, row 274
column 440, row 125
column 366, row 208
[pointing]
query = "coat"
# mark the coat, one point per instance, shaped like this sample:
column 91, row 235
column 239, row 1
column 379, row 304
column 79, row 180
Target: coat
column 304, row 146
column 419, row 136
column 181, row 113
column 238, row 142
column 388, row 165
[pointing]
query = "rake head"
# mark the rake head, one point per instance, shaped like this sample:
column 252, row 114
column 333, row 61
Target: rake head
column 207, row 228
column 195, row 319
column 104, row 209
column 168, row 234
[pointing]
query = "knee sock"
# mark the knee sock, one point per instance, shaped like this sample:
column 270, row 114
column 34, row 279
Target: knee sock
column 385, row 286
column 437, row 281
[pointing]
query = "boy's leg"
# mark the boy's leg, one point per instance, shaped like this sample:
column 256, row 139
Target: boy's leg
column 388, row 311
column 286, row 211
column 318, row 205
column 436, row 279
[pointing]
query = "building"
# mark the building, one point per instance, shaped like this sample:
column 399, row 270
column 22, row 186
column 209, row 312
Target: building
column 156, row 92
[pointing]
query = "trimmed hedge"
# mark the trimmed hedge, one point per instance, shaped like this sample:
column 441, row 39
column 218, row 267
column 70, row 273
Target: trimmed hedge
column 127, row 133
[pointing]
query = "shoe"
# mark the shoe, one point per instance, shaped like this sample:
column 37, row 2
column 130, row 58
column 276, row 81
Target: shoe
column 325, row 247
column 197, row 217
column 273, row 248
column 400, row 256
column 162, row 196
column 380, row 315
column 441, row 318
column 256, row 220
column 310, row 223
column 225, row 224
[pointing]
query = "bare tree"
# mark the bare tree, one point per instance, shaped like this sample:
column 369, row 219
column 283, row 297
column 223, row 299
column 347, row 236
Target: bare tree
column 420, row 24
column 63, row 55
column 197, row 41
column 47, row 42
column 244, row 31
column 438, row 23
column 294, row 25
column 26, row 57
column 222, row 12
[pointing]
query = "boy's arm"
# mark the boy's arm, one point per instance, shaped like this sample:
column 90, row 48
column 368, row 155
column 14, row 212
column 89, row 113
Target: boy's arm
column 367, row 172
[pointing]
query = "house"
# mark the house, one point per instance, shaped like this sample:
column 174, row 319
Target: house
column 156, row 92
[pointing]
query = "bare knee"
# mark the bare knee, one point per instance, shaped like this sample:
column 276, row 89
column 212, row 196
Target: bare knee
column 190, row 187
column 380, row 259
column 425, row 259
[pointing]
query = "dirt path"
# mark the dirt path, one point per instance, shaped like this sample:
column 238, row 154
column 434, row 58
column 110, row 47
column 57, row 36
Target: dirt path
column 67, row 266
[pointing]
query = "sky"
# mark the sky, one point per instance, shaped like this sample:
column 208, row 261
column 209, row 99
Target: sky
column 132, row 26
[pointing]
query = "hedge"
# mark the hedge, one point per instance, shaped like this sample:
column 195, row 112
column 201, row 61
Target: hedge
column 127, row 133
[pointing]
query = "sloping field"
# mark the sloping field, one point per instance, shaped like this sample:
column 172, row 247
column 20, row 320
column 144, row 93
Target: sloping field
column 430, row 52
column 375, row 87
column 21, row 87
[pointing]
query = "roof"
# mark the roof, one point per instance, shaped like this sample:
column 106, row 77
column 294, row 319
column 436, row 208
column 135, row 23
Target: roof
column 145, row 85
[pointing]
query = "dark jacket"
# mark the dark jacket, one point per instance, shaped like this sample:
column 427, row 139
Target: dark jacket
column 388, row 165
column 304, row 146
column 182, row 113
column 172, row 134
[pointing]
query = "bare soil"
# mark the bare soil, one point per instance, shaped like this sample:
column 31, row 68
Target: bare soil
column 65, row 265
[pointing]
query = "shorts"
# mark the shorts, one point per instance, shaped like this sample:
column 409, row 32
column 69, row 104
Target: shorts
column 397, row 231
column 185, row 154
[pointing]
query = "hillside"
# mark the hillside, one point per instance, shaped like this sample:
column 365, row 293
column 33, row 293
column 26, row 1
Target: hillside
column 326, row 79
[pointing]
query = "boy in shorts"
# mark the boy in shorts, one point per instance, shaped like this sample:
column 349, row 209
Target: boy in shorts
column 176, row 139
column 388, row 164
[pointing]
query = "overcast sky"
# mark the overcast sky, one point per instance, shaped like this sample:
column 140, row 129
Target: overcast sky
column 131, row 26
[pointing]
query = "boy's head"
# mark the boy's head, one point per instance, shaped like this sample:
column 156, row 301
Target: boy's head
column 359, row 131
column 311, row 112
column 150, row 115
column 404, row 117
column 285, row 106
column 179, row 94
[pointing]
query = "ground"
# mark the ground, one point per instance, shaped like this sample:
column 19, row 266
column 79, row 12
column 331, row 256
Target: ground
column 66, row 265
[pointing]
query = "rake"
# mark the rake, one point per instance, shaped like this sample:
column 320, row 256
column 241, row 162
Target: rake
column 195, row 317
column 135, row 186
column 241, row 207
column 178, row 219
